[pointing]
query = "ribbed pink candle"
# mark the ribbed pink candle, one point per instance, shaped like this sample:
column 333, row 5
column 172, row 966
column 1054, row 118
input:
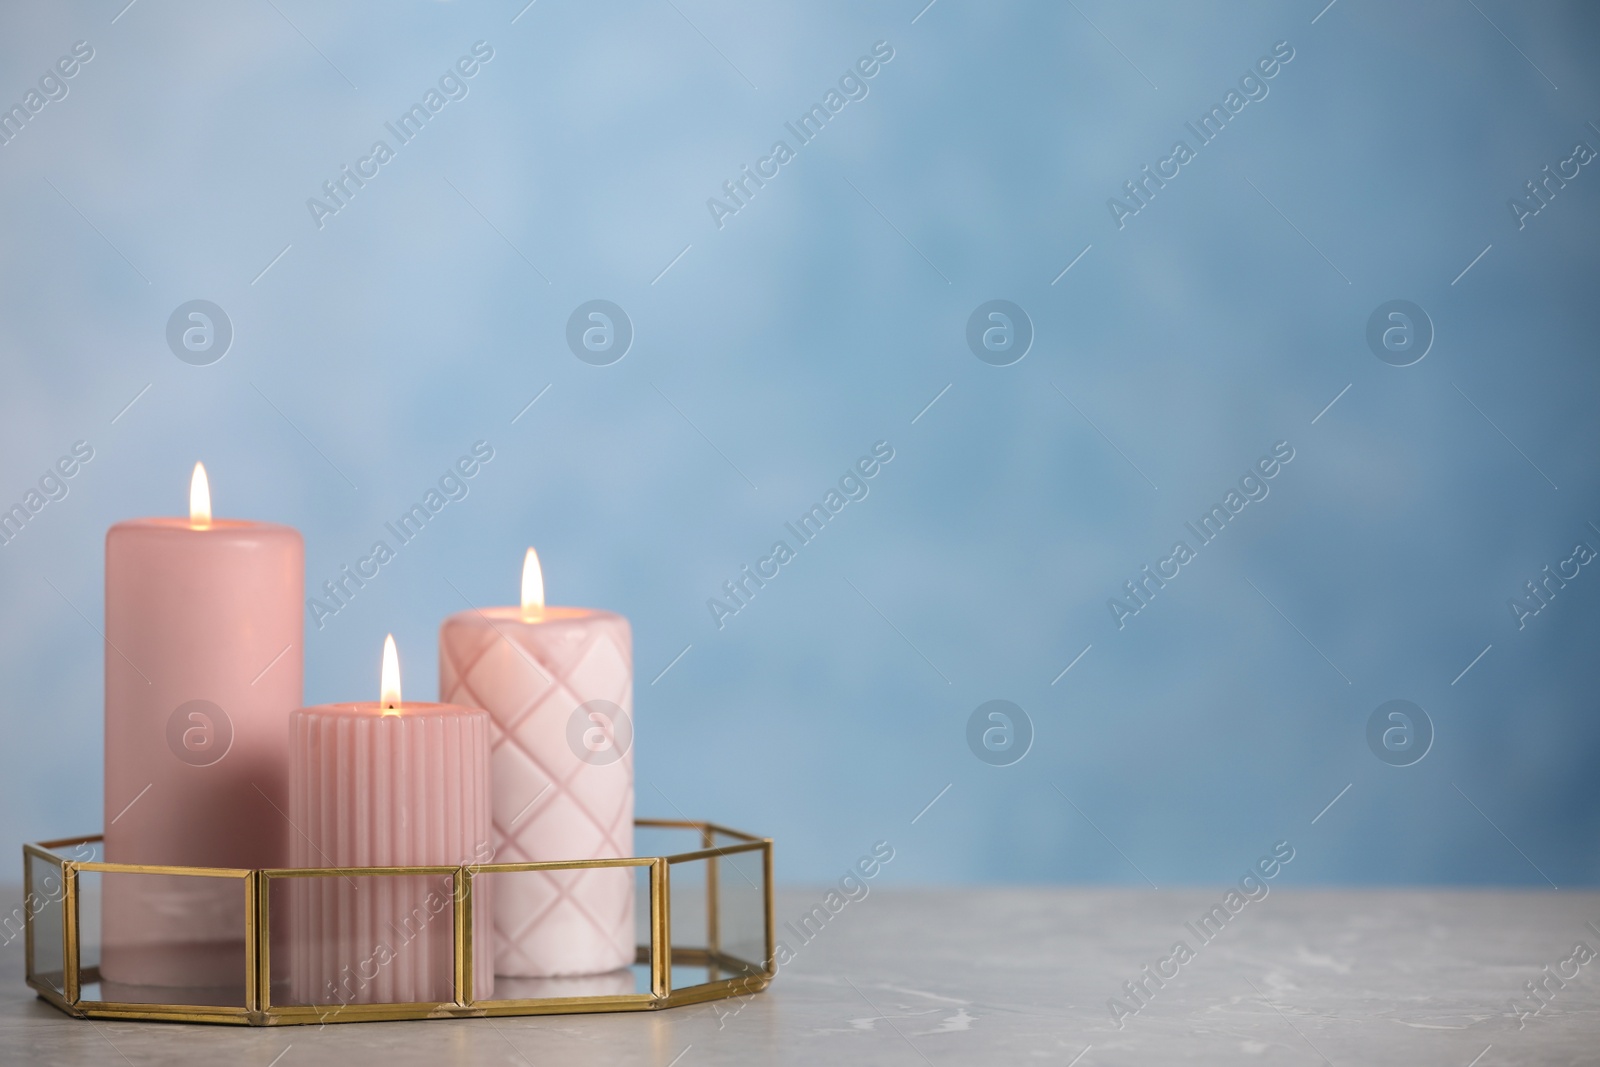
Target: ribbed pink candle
column 559, row 685
column 202, row 668
column 409, row 787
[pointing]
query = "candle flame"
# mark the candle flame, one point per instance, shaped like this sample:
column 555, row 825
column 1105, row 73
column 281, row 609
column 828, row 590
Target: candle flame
column 532, row 586
column 389, row 689
column 199, row 498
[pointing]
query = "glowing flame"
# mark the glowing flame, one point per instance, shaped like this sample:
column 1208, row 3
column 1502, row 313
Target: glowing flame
column 199, row 498
column 389, row 689
column 532, row 586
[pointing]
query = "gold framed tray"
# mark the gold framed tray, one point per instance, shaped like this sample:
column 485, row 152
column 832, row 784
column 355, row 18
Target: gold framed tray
column 703, row 920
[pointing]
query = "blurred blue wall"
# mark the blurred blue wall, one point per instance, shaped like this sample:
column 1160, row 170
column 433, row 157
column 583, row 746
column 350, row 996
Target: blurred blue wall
column 771, row 351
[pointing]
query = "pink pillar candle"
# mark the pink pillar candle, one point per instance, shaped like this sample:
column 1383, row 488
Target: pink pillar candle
column 558, row 683
column 386, row 784
column 202, row 668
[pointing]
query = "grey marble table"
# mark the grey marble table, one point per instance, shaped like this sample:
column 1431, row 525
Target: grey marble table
column 997, row 976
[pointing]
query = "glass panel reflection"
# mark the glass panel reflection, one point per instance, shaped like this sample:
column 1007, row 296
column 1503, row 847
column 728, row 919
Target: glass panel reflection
column 45, row 903
column 582, row 932
column 162, row 938
column 363, row 939
column 741, row 931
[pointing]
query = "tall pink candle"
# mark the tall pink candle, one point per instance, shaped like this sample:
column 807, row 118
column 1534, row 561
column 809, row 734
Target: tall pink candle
column 386, row 784
column 559, row 685
column 202, row 668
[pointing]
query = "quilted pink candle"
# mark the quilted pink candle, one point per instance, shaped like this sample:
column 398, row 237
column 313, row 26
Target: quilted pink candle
column 558, row 684
column 386, row 784
column 203, row 631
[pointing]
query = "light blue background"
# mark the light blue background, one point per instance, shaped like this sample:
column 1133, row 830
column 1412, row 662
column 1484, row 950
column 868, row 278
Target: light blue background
column 821, row 319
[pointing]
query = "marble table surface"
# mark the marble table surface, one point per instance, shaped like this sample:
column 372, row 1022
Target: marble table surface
column 1023, row 975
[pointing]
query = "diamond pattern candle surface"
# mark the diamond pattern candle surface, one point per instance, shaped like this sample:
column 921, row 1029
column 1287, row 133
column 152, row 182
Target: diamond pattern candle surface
column 559, row 690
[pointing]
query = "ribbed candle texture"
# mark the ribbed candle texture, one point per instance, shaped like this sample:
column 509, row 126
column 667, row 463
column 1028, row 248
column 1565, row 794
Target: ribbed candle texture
column 369, row 789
